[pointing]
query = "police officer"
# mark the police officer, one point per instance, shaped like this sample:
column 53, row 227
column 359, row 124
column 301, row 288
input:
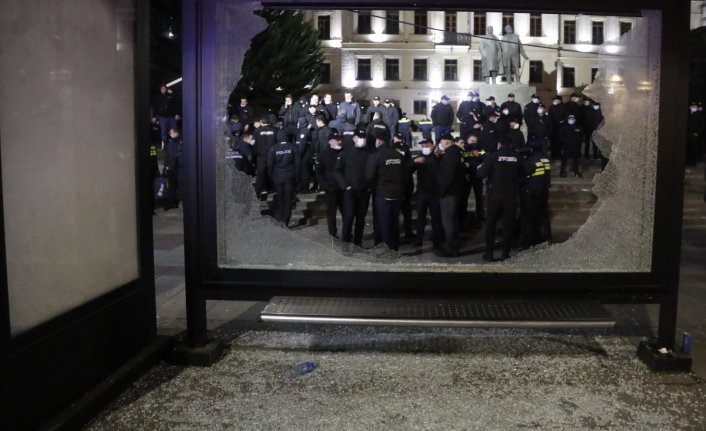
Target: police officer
column 349, row 173
column 327, row 160
column 347, row 132
column 514, row 108
column 470, row 115
column 376, row 106
column 571, row 136
column 449, row 180
column 351, row 107
column 243, row 152
column 398, row 143
column 517, row 138
column 387, row 174
column 289, row 115
column 593, row 117
column 265, row 138
column 174, row 169
column 473, row 157
column 531, row 108
column 309, row 127
column 504, row 169
column 490, row 107
column 245, row 113
column 540, row 126
column 377, row 129
column 426, row 197
column 283, row 166
column 574, row 108
column 390, row 116
column 534, row 197
column 328, row 107
column 490, row 136
column 442, row 116
column 558, row 113
column 425, row 127
column 405, row 128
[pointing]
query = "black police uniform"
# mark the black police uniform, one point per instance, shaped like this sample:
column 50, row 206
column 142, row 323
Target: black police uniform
column 427, row 199
column 387, row 174
column 390, row 116
column 530, row 111
column 370, row 112
column 489, row 137
column 406, row 203
column 377, row 129
column 469, row 114
column 571, row 136
column 471, row 162
column 449, row 179
column 534, row 198
column 242, row 155
column 504, row 170
column 350, row 175
column 514, row 108
column 541, row 128
column 265, row 138
column 327, row 182
column 173, row 164
column 558, row 114
column 283, row 166
column 442, row 116
column 592, row 119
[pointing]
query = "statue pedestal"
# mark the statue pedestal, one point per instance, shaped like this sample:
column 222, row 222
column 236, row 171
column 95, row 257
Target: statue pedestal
column 523, row 92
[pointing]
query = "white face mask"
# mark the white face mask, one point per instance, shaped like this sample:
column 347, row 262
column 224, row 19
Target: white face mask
column 251, row 142
column 540, row 111
column 574, row 99
column 516, row 126
column 426, row 150
column 336, row 147
column 587, row 103
column 441, row 146
column 475, row 99
column 693, row 109
column 535, row 100
column 596, row 107
column 506, row 112
column 556, row 102
column 572, row 122
column 359, row 142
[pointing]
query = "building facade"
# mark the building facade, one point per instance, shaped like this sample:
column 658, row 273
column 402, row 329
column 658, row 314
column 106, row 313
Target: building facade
column 415, row 57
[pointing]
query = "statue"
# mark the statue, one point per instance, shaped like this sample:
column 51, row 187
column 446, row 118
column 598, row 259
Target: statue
column 512, row 48
column 490, row 54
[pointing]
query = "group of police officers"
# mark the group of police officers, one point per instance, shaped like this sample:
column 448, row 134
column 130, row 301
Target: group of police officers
column 317, row 145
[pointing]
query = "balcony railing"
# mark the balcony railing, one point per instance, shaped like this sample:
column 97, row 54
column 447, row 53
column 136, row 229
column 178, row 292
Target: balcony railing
column 456, row 39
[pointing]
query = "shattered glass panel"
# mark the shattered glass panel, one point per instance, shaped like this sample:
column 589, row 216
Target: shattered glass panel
column 615, row 237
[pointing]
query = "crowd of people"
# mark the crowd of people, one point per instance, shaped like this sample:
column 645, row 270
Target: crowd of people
column 356, row 156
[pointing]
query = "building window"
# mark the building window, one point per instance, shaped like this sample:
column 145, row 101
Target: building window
column 597, row 32
column 477, row 70
column 625, row 27
column 364, row 22
column 508, row 19
column 535, row 25
column 570, row 32
column 325, row 73
column 479, row 23
column 594, row 71
column 450, row 22
column 420, row 22
column 324, row 26
column 420, row 69
column 450, row 70
column 392, row 22
column 536, row 71
column 568, row 77
column 392, row 69
column 363, row 70
column 420, row 107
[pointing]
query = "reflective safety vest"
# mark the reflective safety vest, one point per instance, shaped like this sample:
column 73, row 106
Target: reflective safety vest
column 542, row 166
column 425, row 122
column 153, row 151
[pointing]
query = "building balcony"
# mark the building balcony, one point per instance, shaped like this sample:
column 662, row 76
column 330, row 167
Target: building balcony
column 456, row 39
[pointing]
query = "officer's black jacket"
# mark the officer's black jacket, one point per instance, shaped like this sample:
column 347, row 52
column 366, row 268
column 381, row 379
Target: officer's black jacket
column 347, row 132
column 265, row 138
column 370, row 112
column 504, row 170
column 514, row 108
column 289, row 115
column 516, row 138
column 592, row 118
column 390, row 115
column 488, row 110
column 378, row 129
column 695, row 123
column 539, row 179
column 322, row 136
column 165, row 105
column 283, row 163
column 173, row 153
column 328, row 158
column 468, row 107
column 450, row 173
column 489, row 137
column 571, row 135
column 426, row 174
column 575, row 110
column 245, row 114
column 329, row 111
column 558, row 114
column 531, row 111
column 540, row 127
column 351, row 167
column 387, row 172
column 243, row 155
column 442, row 115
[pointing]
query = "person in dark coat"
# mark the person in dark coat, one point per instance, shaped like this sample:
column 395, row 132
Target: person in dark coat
column 390, row 115
column 517, row 138
column 243, row 153
column 695, row 127
column 325, row 168
column 470, row 115
column 426, row 197
column 540, row 126
column 405, row 128
column 283, row 167
column 174, row 169
column 377, row 129
column 449, row 179
column 574, row 108
column 265, row 137
column 425, row 127
column 558, row 113
column 592, row 117
column 504, row 169
column 245, row 113
column 338, row 122
column 165, row 112
column 490, row 107
column 376, row 106
column 514, row 108
column 398, row 143
column 329, row 108
column 490, row 136
column 571, row 136
column 351, row 107
column 442, row 116
column 349, row 173
column 289, row 115
column 386, row 173
column 530, row 110
column 534, row 197
column 473, row 156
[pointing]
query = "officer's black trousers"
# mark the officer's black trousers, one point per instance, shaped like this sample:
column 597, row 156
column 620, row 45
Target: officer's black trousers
column 477, row 185
column 570, row 151
column 305, row 167
column 285, row 197
column 386, row 220
column 261, row 178
column 449, row 221
column 530, row 221
column 333, row 203
column 500, row 210
column 355, row 208
column 426, row 202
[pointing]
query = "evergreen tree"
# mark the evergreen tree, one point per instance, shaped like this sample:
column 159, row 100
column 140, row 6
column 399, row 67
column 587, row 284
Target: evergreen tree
column 285, row 58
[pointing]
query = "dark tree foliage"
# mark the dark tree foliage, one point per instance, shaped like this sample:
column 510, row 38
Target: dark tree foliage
column 285, row 58
column 697, row 55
